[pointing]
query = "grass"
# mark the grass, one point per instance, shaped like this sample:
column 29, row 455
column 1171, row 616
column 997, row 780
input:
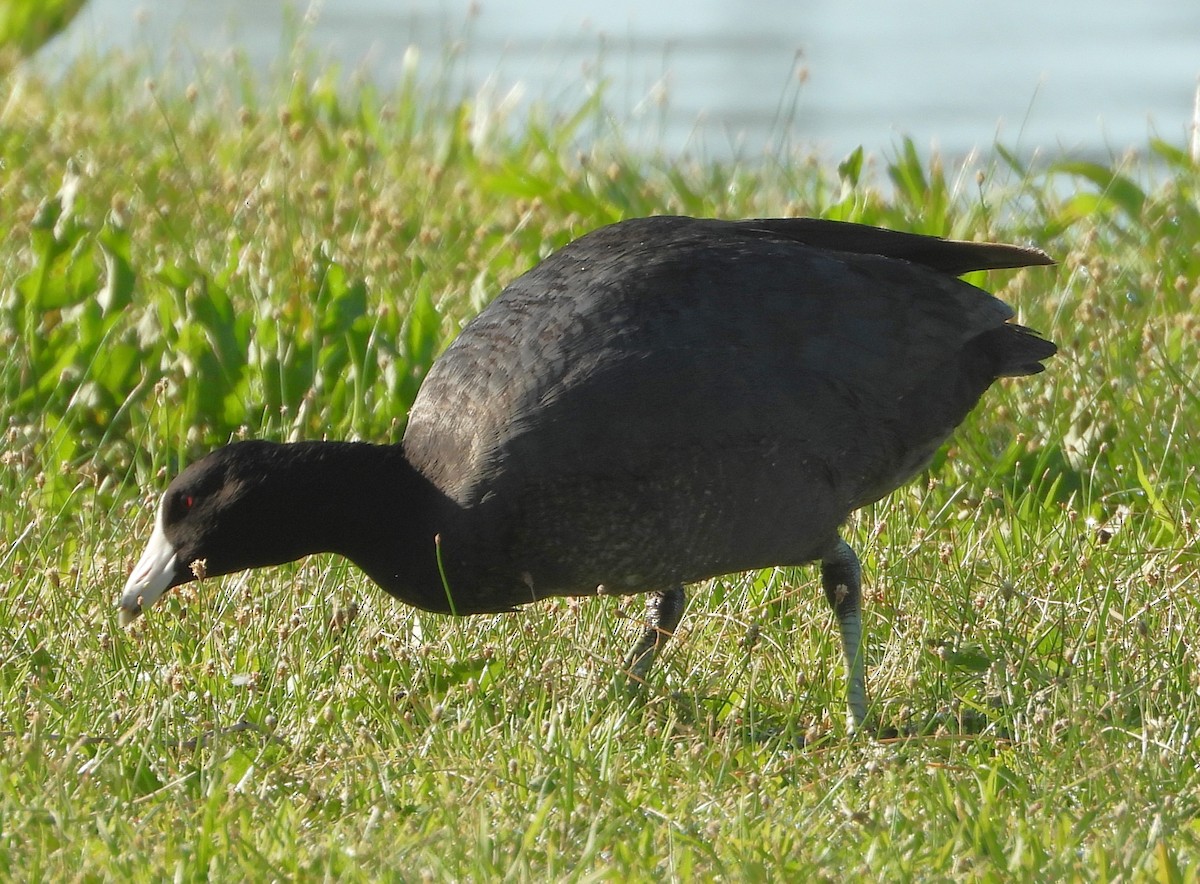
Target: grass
column 183, row 266
column 25, row 27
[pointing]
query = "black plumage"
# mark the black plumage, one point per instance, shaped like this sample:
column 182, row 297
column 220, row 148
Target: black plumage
column 661, row 401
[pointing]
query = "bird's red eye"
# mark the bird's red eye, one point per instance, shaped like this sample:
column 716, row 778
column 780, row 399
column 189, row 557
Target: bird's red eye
column 188, row 500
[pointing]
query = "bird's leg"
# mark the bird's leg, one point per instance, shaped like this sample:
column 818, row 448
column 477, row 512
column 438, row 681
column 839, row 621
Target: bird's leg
column 664, row 609
column 841, row 576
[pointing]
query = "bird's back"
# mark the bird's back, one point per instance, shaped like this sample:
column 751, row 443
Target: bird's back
column 669, row 399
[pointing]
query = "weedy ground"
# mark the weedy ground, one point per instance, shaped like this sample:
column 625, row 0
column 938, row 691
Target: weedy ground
column 185, row 265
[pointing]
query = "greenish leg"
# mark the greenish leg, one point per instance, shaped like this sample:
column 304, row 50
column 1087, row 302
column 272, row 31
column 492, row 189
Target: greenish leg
column 664, row 610
column 841, row 576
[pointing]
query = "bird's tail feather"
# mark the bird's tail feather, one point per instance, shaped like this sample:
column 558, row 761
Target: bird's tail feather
column 1018, row 350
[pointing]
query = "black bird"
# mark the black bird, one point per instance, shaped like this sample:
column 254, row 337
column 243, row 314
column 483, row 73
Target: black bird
column 661, row 401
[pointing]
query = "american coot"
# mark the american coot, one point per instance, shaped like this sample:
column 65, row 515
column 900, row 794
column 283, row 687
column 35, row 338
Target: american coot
column 661, row 401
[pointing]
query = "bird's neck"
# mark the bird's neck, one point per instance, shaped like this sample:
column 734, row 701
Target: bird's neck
column 371, row 506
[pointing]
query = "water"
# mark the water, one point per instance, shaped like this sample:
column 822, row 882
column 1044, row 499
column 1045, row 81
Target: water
column 724, row 78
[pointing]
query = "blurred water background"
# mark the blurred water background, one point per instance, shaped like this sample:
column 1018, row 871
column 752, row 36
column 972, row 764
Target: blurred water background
column 725, row 79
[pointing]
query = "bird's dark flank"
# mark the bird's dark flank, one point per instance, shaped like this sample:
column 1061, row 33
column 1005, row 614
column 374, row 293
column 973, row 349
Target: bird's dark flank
column 661, row 401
